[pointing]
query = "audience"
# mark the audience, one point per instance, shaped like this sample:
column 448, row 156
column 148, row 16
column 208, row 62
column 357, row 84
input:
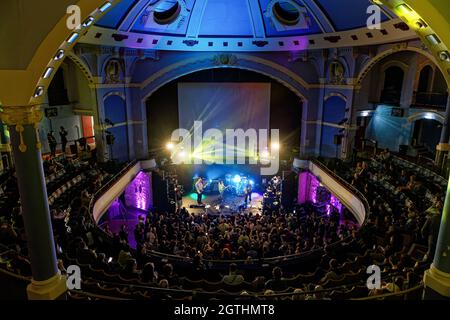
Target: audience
column 402, row 216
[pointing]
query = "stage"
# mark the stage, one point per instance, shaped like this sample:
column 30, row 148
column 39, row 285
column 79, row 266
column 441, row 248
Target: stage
column 231, row 204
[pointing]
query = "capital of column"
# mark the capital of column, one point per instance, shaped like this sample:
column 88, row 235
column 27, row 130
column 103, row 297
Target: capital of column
column 13, row 116
column 443, row 147
column 18, row 117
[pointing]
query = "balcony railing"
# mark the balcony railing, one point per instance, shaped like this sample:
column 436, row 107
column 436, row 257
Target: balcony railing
column 430, row 99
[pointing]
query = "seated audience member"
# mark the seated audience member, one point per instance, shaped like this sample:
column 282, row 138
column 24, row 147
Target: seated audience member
column 298, row 295
column 148, row 274
column 331, row 274
column 130, row 271
column 318, row 295
column 85, row 255
column 385, row 155
column 233, row 278
column 277, row 283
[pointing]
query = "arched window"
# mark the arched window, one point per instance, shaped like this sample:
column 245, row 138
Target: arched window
column 393, row 83
column 57, row 92
column 425, row 79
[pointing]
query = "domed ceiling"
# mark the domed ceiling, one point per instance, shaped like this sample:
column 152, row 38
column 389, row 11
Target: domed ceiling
column 244, row 25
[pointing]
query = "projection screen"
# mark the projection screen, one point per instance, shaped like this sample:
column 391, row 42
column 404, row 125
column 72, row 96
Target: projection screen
column 224, row 106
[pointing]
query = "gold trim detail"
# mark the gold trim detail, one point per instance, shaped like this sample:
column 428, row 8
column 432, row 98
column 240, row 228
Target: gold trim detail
column 443, row 147
column 20, row 116
column 22, row 146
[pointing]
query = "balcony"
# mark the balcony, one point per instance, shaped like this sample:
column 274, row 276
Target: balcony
column 430, row 100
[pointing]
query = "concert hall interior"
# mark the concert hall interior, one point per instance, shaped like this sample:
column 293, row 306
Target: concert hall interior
column 197, row 150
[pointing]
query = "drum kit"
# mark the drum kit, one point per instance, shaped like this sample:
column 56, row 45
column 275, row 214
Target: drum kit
column 237, row 183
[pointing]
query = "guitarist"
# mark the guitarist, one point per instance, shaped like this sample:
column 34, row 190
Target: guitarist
column 222, row 188
column 199, row 187
column 248, row 193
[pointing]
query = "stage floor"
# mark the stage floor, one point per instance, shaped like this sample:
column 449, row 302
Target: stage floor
column 231, row 204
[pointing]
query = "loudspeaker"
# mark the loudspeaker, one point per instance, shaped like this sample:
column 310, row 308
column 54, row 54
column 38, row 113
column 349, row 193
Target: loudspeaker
column 160, row 187
column 288, row 190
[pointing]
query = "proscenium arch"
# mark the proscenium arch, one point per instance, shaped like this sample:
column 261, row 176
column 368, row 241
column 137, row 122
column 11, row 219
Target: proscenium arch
column 152, row 84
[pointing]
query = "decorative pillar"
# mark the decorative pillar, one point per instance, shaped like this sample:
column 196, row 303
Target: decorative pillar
column 437, row 278
column 47, row 283
column 443, row 147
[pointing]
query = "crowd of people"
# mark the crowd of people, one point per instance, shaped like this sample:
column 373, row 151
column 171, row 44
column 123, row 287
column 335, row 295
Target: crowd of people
column 405, row 215
column 237, row 237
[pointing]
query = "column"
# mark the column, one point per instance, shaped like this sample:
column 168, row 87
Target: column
column 443, row 147
column 47, row 283
column 437, row 278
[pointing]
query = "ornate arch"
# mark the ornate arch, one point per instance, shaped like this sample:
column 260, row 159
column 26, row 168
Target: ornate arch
column 114, row 93
column 82, row 65
column 372, row 62
column 240, row 61
column 394, row 63
column 429, row 115
column 335, row 94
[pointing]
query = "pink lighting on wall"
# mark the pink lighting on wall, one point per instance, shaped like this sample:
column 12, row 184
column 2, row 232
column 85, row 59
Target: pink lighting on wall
column 307, row 192
column 138, row 193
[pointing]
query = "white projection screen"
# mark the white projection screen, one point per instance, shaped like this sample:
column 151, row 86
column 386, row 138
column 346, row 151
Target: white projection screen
column 224, row 105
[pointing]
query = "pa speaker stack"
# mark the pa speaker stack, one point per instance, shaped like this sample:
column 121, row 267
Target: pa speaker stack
column 160, row 188
column 288, row 190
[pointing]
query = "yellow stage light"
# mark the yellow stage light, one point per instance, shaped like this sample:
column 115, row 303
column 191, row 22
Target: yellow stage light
column 170, row 146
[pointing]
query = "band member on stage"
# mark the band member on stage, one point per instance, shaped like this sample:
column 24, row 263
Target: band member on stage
column 221, row 187
column 179, row 197
column 199, row 187
column 248, row 193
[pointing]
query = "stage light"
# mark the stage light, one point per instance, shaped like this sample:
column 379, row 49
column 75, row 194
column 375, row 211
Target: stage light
column 252, row 182
column 237, row 179
column 429, row 116
column 39, row 91
column 433, row 39
column 48, row 72
column 265, row 154
column 86, row 23
column 404, row 9
column 105, row 6
column 275, row 146
column 421, row 24
column 74, row 36
column 59, row 55
column 444, row 56
column 170, row 146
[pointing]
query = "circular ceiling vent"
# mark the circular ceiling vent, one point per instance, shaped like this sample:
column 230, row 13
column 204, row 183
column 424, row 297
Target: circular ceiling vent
column 167, row 11
column 286, row 12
